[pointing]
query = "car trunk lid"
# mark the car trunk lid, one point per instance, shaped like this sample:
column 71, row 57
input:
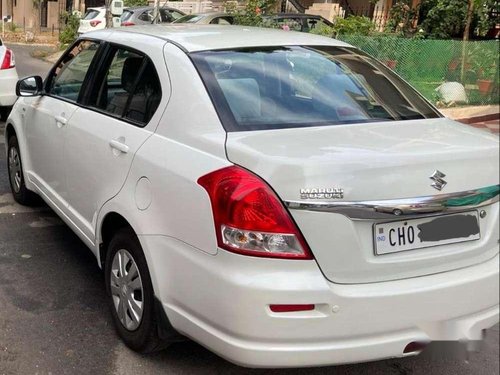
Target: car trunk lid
column 382, row 161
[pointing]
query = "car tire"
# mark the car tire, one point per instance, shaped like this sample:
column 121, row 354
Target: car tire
column 16, row 175
column 140, row 336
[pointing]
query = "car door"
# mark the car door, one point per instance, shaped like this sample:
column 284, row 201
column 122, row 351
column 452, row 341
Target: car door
column 48, row 116
column 107, row 131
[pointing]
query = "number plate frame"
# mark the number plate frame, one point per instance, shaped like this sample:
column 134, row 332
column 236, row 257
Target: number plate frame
column 383, row 249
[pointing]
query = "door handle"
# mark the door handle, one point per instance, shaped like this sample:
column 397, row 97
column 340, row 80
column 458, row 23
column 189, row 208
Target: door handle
column 61, row 120
column 119, row 146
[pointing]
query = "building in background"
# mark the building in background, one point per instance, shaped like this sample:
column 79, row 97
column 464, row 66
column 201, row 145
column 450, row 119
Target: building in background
column 27, row 17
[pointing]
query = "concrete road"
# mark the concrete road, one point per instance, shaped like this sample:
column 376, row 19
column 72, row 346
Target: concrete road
column 54, row 319
column 25, row 64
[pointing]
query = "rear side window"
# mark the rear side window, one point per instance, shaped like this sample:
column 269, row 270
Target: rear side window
column 91, row 14
column 175, row 15
column 283, row 87
column 128, row 87
column 126, row 15
column 169, row 15
column 190, row 18
column 67, row 79
column 146, row 16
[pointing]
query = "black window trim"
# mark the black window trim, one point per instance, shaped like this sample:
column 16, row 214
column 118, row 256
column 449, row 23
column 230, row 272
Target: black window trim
column 99, row 58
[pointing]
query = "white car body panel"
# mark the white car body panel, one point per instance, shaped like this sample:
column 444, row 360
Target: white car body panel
column 96, row 174
column 215, row 304
column 8, row 80
column 366, row 307
column 45, row 136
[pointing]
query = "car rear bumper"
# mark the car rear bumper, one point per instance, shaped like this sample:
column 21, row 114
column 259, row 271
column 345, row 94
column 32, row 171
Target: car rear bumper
column 222, row 302
column 8, row 81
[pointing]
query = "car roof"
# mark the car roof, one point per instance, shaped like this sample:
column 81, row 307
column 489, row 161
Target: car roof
column 216, row 14
column 193, row 37
column 296, row 15
column 146, row 7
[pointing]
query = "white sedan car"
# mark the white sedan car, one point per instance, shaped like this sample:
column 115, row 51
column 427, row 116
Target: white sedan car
column 8, row 80
column 95, row 19
column 281, row 198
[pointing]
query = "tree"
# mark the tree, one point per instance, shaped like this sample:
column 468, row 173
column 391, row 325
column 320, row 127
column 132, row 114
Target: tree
column 445, row 19
column 109, row 15
column 36, row 16
column 135, row 3
column 468, row 20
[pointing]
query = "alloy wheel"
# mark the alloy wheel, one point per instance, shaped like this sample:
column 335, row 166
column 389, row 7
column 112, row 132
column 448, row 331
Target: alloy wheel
column 15, row 172
column 127, row 290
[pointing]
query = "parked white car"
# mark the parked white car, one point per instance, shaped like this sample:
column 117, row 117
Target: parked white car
column 8, row 80
column 281, row 198
column 95, row 19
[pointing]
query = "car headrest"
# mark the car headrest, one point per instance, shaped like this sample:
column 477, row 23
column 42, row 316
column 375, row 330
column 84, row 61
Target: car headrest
column 130, row 71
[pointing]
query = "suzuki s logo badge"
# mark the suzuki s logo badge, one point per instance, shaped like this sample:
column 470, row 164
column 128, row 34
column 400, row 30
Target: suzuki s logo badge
column 437, row 180
column 322, row 193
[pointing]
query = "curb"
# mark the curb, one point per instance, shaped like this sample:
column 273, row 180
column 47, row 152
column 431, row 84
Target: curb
column 30, row 44
column 482, row 118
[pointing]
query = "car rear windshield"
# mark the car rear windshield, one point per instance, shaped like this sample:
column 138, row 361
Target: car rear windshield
column 91, row 14
column 300, row 86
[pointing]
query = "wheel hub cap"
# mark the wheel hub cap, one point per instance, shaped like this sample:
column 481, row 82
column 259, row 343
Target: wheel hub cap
column 15, row 169
column 127, row 290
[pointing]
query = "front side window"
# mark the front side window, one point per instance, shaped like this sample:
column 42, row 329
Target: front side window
column 283, row 87
column 128, row 88
column 67, row 79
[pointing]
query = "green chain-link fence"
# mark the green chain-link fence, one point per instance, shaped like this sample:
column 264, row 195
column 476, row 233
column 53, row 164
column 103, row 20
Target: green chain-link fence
column 447, row 72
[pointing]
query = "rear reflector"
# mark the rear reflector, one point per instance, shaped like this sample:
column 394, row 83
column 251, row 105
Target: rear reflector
column 128, row 23
column 290, row 308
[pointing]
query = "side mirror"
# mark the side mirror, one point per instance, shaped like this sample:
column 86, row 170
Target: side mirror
column 30, row 86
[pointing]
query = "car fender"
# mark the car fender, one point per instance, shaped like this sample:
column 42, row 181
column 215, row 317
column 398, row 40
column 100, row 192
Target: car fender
column 17, row 122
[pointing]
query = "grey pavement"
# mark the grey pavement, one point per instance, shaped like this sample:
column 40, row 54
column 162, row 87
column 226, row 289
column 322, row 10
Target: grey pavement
column 27, row 65
column 54, row 318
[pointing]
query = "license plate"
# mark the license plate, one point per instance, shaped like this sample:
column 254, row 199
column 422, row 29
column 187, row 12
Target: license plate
column 426, row 232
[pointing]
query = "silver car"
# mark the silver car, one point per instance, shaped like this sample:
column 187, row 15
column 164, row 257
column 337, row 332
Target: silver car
column 207, row 19
column 145, row 15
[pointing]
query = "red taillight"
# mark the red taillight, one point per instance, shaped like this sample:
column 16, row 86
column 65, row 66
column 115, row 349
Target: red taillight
column 128, row 23
column 94, row 23
column 290, row 308
column 8, row 60
column 249, row 217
